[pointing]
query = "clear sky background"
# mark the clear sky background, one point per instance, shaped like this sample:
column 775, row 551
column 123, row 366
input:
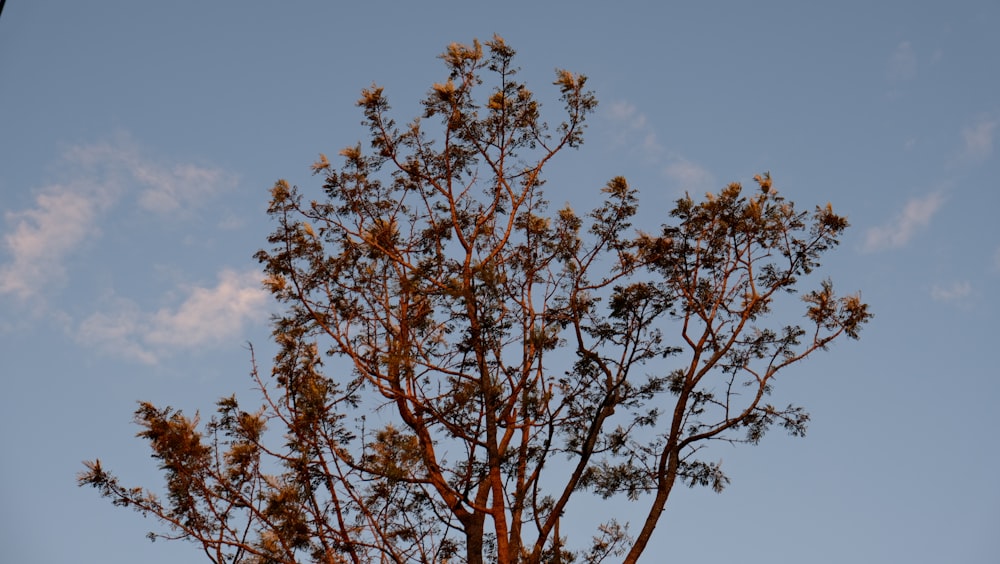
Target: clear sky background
column 138, row 141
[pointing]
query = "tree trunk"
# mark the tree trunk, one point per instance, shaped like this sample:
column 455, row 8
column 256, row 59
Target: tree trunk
column 656, row 509
column 473, row 526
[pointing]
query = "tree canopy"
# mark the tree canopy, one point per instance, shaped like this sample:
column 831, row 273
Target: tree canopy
column 459, row 364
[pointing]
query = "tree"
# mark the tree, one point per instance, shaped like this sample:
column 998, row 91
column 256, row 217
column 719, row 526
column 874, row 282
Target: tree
column 457, row 364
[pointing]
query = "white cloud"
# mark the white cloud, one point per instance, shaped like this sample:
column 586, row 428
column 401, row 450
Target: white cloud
column 211, row 315
column 66, row 215
column 43, row 236
column 97, row 183
column 978, row 139
column 207, row 316
column 902, row 63
column 916, row 214
column 953, row 292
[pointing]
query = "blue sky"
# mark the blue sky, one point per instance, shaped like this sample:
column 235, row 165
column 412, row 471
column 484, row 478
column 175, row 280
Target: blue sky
column 138, row 141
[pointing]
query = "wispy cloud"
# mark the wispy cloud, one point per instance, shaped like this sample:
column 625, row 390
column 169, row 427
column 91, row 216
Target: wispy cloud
column 689, row 176
column 117, row 330
column 902, row 64
column 66, row 215
column 179, row 188
column 207, row 316
column 915, row 215
column 953, row 292
column 634, row 130
column 978, row 139
column 159, row 187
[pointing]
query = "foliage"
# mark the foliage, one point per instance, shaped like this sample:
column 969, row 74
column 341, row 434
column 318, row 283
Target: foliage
column 490, row 361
